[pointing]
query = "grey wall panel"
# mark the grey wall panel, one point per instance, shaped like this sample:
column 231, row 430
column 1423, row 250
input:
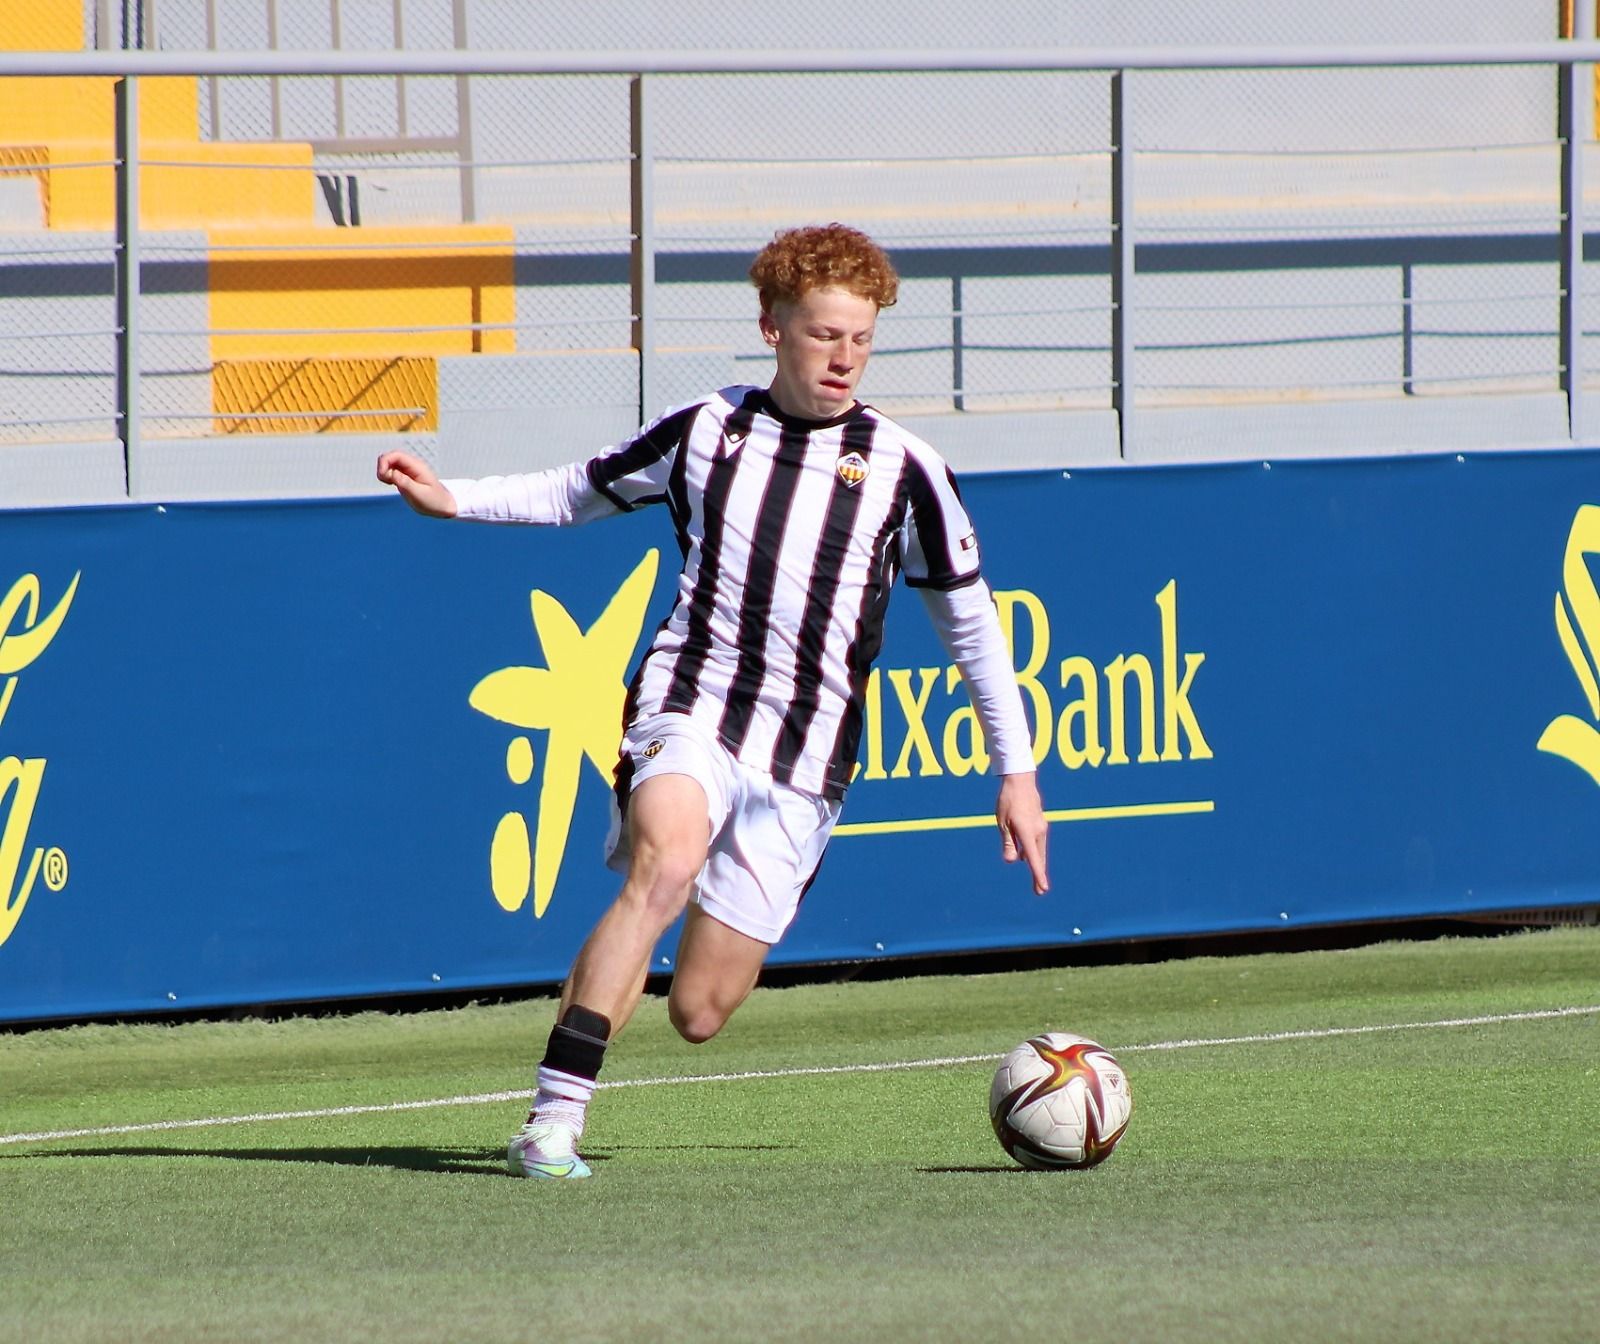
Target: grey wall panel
column 40, row 475
column 269, row 466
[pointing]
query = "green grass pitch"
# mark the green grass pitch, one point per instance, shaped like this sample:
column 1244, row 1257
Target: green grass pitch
column 1404, row 1183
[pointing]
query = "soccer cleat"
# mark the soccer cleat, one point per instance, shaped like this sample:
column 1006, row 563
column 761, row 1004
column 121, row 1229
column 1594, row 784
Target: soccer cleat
column 545, row 1152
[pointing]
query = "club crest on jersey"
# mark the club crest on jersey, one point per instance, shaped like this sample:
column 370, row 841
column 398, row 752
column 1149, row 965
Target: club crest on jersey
column 852, row 469
column 653, row 748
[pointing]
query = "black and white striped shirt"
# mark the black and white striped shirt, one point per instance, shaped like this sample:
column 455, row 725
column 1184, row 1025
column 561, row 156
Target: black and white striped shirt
column 792, row 534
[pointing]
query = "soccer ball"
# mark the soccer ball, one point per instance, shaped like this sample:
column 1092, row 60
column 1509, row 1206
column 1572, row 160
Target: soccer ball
column 1059, row 1100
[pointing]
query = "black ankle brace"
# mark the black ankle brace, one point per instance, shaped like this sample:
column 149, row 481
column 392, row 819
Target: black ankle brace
column 578, row 1042
column 586, row 1020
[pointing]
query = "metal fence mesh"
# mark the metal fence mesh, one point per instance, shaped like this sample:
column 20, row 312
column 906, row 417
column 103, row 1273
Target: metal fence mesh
column 57, row 337
column 1363, row 233
column 447, row 257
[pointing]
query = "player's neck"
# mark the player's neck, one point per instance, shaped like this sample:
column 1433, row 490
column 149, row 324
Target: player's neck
column 780, row 412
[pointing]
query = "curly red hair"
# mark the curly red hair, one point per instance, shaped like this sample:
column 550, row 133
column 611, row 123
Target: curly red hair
column 823, row 256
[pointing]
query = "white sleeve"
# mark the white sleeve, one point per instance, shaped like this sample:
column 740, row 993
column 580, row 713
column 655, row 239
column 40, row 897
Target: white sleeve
column 552, row 498
column 969, row 629
column 617, row 480
column 937, row 544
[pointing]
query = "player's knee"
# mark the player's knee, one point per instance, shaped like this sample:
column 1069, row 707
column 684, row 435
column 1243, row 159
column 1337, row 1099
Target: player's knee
column 661, row 879
column 696, row 1023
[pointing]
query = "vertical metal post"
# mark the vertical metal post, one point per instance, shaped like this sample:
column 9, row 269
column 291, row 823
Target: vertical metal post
column 127, row 276
column 274, row 80
column 213, row 84
column 401, row 112
column 336, row 23
column 958, row 378
column 464, row 150
column 642, row 268
column 1121, row 260
column 1573, row 114
column 1407, row 332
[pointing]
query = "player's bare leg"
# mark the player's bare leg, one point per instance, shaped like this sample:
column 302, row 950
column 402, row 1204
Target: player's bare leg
column 669, row 832
column 717, row 969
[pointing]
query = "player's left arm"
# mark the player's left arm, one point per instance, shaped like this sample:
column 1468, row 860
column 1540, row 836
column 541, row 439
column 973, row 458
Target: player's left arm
column 940, row 554
column 969, row 629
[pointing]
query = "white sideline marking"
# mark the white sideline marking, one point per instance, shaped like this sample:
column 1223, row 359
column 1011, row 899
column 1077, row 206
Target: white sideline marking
column 522, row 1094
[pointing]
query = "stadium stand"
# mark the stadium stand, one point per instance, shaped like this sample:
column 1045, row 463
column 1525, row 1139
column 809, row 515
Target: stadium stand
column 1332, row 262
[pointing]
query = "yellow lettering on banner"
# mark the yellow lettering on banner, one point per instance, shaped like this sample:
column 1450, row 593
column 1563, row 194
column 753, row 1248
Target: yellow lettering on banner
column 874, row 716
column 1566, row 735
column 975, row 756
column 20, row 779
column 18, row 650
column 1102, row 714
column 914, row 706
column 1176, row 711
column 1118, row 670
column 1028, row 669
column 1084, row 710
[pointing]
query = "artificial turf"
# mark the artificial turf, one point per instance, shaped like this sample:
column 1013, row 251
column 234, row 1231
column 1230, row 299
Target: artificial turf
column 1403, row 1183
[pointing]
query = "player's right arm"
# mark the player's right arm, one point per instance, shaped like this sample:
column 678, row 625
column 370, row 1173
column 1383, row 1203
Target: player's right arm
column 550, row 498
column 419, row 485
column 617, row 480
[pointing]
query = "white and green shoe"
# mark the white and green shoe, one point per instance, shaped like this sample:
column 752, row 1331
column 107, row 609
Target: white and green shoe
column 546, row 1152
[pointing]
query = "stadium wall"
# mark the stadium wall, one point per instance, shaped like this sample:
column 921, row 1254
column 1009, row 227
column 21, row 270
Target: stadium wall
column 254, row 753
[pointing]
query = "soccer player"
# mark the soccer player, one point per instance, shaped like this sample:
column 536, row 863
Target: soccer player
column 795, row 507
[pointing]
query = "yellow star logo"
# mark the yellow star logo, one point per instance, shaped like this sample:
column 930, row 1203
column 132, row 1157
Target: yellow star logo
column 1567, row 735
column 578, row 699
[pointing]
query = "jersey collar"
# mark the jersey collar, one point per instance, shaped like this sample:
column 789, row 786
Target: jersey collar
column 769, row 407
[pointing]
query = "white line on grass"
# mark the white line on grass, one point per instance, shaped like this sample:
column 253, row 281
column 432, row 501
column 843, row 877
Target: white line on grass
column 485, row 1098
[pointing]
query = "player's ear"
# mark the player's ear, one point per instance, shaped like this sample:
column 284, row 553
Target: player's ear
column 769, row 329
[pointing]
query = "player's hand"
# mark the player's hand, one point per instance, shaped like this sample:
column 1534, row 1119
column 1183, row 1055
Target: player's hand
column 1024, row 832
column 418, row 484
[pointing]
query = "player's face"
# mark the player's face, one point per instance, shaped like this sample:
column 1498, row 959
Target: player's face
column 822, row 341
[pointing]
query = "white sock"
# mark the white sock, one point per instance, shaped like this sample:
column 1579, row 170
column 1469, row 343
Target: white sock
column 562, row 1099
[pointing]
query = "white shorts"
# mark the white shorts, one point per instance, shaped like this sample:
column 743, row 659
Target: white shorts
column 766, row 838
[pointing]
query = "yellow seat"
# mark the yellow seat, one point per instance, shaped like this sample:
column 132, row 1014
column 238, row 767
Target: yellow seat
column 321, row 329
column 317, row 320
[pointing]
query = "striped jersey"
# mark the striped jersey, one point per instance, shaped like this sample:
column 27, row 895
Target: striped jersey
column 792, row 534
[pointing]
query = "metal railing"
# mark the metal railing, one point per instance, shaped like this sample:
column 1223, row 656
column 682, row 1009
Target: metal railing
column 1128, row 255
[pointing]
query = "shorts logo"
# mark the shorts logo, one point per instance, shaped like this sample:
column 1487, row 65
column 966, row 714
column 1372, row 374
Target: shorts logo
column 653, row 749
column 852, row 469
column 969, row 542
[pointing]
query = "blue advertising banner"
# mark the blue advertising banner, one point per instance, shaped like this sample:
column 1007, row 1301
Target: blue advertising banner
column 271, row 753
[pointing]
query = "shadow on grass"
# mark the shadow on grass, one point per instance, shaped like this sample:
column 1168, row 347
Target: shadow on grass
column 456, row 1161
column 459, row 1161
column 994, row 1169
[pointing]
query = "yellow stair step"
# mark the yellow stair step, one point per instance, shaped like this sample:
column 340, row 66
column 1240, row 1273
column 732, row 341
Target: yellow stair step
column 325, row 396
column 183, row 184
column 346, row 293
